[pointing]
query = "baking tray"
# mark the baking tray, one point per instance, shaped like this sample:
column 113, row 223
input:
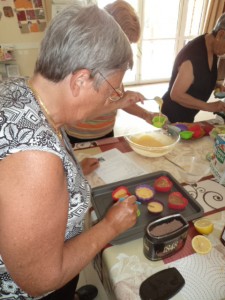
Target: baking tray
column 102, row 201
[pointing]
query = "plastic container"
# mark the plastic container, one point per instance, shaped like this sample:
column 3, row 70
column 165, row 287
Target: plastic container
column 186, row 135
column 144, row 193
column 159, row 121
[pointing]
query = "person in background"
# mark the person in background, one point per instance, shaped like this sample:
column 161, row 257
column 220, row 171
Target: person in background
column 43, row 192
column 194, row 77
column 102, row 126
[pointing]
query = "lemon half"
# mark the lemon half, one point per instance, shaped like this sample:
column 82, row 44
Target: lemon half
column 201, row 244
column 204, row 226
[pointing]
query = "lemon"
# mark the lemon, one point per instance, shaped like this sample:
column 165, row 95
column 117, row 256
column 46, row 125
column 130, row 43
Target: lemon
column 201, row 244
column 204, row 226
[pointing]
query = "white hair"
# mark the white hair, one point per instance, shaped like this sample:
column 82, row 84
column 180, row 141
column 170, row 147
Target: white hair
column 83, row 37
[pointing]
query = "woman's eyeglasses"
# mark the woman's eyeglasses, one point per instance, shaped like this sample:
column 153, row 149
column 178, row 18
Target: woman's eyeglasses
column 117, row 94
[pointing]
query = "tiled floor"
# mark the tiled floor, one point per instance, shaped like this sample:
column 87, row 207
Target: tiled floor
column 124, row 120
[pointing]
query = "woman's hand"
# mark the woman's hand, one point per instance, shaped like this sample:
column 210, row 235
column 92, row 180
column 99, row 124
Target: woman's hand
column 217, row 106
column 88, row 165
column 149, row 116
column 222, row 88
column 129, row 98
column 122, row 215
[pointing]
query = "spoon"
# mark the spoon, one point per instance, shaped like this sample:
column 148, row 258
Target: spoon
column 159, row 101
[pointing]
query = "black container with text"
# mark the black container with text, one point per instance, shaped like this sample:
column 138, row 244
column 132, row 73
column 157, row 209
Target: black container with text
column 165, row 245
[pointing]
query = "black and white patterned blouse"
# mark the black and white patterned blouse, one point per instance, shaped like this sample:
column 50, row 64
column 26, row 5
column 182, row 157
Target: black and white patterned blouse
column 23, row 127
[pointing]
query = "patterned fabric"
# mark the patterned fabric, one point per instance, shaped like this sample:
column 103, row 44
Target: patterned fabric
column 23, row 127
column 93, row 129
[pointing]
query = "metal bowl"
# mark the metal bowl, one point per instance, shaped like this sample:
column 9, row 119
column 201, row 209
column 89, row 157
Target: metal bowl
column 155, row 143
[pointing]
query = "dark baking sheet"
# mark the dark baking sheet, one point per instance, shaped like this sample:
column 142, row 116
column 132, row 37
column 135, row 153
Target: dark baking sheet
column 102, row 201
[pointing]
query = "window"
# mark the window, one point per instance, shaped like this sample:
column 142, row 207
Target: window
column 166, row 27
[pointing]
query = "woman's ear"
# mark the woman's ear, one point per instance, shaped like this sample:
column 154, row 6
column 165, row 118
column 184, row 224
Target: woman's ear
column 78, row 80
column 220, row 34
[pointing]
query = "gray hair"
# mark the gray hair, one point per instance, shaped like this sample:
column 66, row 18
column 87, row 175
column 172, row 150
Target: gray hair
column 126, row 17
column 220, row 24
column 83, row 38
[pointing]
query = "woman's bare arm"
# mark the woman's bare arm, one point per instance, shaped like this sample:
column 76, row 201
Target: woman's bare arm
column 33, row 217
column 140, row 112
column 184, row 79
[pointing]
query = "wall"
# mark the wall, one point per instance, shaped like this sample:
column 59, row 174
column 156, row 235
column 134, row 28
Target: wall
column 26, row 44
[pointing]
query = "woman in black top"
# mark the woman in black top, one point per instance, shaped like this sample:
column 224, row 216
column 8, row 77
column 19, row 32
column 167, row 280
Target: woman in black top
column 194, row 77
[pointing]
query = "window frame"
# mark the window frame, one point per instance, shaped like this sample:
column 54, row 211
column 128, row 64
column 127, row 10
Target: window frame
column 180, row 37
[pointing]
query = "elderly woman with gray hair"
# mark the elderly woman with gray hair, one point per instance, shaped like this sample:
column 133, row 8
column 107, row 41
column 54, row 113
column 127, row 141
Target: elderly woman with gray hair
column 43, row 192
column 194, row 77
column 103, row 125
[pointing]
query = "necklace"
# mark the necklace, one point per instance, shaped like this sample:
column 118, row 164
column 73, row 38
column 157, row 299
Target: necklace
column 47, row 114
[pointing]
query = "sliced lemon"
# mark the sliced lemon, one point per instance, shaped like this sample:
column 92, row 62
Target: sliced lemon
column 204, row 226
column 201, row 244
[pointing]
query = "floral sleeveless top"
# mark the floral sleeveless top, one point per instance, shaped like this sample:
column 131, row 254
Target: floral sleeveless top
column 24, row 127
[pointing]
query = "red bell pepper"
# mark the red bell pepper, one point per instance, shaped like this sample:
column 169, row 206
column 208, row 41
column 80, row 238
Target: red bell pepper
column 177, row 201
column 163, row 184
column 197, row 130
column 120, row 192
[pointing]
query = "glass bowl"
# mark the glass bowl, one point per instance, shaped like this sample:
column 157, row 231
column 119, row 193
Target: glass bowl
column 192, row 168
column 155, row 143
